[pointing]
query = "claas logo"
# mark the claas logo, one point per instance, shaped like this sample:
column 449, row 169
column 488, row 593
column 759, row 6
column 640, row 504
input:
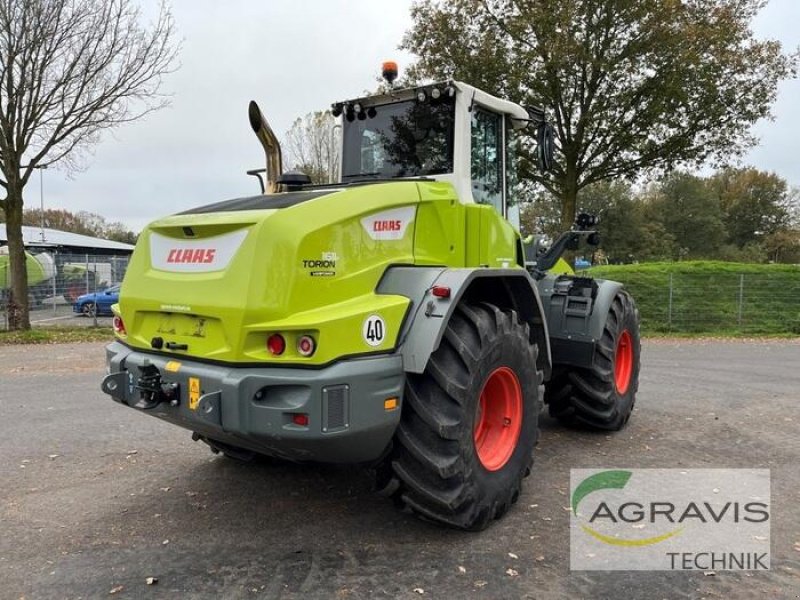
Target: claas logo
column 391, row 225
column 191, row 255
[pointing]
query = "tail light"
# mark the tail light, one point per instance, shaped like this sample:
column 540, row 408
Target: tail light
column 306, row 345
column 276, row 344
column 119, row 325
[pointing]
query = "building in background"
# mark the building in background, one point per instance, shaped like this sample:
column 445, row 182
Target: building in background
column 63, row 265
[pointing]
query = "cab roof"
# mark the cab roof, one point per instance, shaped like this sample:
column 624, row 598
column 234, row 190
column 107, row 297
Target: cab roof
column 519, row 116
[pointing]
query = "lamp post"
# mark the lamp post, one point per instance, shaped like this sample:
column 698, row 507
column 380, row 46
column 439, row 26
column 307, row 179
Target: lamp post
column 332, row 152
column 41, row 197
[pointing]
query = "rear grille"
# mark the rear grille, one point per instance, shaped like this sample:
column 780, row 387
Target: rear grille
column 335, row 405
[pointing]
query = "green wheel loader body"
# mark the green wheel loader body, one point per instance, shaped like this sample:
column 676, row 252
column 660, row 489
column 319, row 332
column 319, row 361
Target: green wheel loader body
column 320, row 266
column 295, row 324
column 313, row 267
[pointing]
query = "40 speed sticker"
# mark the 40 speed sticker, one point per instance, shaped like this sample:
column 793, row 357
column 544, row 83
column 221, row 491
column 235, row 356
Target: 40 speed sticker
column 374, row 330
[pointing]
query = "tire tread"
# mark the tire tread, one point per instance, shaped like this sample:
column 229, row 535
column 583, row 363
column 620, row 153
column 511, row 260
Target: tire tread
column 429, row 471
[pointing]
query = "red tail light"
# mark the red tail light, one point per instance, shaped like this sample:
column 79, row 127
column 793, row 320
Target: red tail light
column 276, row 344
column 119, row 325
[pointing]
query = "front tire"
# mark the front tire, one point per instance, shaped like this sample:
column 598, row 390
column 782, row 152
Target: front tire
column 602, row 397
column 469, row 423
column 88, row 309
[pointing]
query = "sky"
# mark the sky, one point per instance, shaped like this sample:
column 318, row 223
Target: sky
column 292, row 58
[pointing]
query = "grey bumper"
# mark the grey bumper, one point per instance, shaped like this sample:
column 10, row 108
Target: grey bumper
column 254, row 408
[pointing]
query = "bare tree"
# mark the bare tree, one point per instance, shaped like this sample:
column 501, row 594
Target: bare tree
column 311, row 146
column 69, row 70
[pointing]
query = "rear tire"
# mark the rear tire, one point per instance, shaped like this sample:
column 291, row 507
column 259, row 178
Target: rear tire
column 469, row 422
column 602, row 397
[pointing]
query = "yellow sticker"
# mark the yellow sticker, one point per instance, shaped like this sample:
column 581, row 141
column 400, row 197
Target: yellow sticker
column 194, row 392
column 173, row 366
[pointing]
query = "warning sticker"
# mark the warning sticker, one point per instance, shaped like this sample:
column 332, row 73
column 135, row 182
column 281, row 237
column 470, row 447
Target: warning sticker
column 194, row 392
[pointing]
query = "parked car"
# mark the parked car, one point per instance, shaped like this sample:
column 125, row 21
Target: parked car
column 100, row 302
column 582, row 263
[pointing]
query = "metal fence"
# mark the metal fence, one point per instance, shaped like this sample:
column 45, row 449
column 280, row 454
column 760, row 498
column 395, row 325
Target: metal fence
column 723, row 302
column 68, row 288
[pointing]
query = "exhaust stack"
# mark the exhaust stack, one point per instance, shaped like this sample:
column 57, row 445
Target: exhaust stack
column 272, row 148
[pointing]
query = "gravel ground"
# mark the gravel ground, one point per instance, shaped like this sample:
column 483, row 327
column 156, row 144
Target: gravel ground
column 95, row 498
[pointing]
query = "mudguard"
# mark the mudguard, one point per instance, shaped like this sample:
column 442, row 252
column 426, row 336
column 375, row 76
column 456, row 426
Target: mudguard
column 428, row 315
column 575, row 323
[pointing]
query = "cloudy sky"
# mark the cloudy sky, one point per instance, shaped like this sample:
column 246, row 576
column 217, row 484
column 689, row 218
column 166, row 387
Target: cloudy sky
column 293, row 58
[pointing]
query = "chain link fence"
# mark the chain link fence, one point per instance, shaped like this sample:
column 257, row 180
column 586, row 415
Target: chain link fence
column 65, row 288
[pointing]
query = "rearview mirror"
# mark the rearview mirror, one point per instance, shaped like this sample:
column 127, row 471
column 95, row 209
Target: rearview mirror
column 545, row 150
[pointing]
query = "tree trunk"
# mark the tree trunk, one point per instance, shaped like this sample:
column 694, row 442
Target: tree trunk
column 569, row 196
column 18, row 316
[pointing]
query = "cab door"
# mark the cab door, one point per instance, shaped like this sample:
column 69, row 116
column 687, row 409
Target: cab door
column 496, row 238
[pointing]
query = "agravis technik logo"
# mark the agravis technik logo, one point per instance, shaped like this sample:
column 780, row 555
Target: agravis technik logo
column 644, row 519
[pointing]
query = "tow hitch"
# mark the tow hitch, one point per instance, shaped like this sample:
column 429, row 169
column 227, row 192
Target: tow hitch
column 149, row 390
column 153, row 391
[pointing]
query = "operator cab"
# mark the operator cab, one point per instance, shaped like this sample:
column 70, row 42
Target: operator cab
column 447, row 131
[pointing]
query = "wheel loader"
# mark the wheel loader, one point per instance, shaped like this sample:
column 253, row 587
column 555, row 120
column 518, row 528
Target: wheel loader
column 395, row 318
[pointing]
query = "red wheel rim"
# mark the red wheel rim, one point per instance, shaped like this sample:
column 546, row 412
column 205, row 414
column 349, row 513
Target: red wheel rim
column 623, row 362
column 498, row 419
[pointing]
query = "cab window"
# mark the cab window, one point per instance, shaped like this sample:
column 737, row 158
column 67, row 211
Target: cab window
column 401, row 139
column 487, row 158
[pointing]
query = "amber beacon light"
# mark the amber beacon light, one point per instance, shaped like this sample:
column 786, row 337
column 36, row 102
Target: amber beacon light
column 389, row 70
